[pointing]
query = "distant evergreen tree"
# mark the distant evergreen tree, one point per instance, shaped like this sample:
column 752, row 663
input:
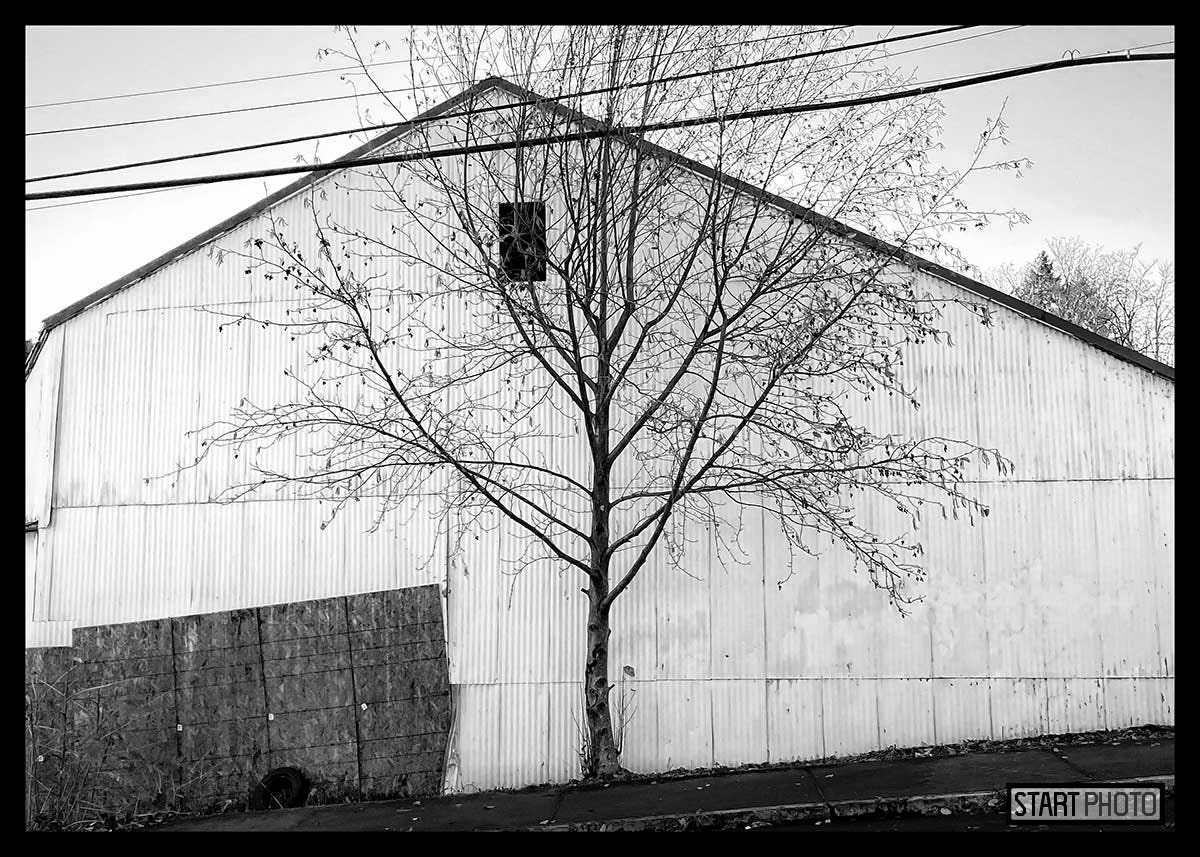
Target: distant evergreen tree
column 1040, row 285
column 1076, row 300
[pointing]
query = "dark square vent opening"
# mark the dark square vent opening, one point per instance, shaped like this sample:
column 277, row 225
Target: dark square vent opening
column 523, row 240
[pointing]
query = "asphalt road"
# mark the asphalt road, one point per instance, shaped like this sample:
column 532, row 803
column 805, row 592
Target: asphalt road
column 985, row 823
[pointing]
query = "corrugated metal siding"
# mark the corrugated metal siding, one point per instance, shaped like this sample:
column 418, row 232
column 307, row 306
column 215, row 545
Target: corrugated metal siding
column 685, row 733
column 31, row 550
column 1055, row 611
column 123, row 563
column 40, row 633
column 962, row 709
column 48, row 635
column 41, row 429
column 1008, row 641
column 1003, row 651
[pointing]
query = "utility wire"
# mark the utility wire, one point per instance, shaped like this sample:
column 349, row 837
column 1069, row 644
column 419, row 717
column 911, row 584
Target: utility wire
column 395, row 62
column 414, row 88
column 94, row 201
column 276, row 106
column 168, row 189
column 879, row 89
column 105, row 199
column 616, row 131
column 510, row 106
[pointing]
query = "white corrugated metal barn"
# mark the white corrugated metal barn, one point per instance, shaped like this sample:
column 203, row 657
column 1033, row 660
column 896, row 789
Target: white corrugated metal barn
column 1054, row 614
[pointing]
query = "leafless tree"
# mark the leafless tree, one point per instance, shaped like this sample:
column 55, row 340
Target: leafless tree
column 595, row 339
column 1115, row 293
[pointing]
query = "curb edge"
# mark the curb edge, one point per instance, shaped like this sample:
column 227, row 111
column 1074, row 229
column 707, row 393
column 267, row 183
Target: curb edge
column 957, row 803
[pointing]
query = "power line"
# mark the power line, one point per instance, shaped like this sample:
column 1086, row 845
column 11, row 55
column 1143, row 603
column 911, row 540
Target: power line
column 105, row 199
column 1135, row 48
column 803, row 73
column 279, row 105
column 586, row 135
column 324, row 135
column 880, row 89
column 657, row 81
column 381, row 64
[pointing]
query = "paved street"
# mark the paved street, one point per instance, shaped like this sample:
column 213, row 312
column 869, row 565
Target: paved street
column 795, row 797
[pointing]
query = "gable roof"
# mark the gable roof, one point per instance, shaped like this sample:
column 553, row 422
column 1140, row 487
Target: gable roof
column 827, row 223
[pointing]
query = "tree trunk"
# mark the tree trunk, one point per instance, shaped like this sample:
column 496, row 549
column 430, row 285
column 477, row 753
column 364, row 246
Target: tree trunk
column 601, row 759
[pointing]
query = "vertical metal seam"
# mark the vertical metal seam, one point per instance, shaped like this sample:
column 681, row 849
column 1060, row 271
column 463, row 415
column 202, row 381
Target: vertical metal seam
column 38, row 563
column 171, row 622
column 1158, row 649
column 262, row 674
column 1046, row 659
column 762, row 518
column 989, row 685
column 449, row 751
column 1099, row 625
column 51, row 476
column 655, row 675
column 712, row 720
column 68, row 718
column 43, row 567
column 821, row 704
column 353, row 694
column 933, row 696
column 983, row 555
column 878, row 720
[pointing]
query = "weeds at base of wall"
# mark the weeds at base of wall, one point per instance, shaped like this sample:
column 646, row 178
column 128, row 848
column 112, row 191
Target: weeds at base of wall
column 623, row 714
column 72, row 776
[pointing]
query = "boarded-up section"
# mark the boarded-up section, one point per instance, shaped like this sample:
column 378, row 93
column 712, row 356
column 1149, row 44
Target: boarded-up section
column 219, row 693
column 190, row 712
column 309, row 694
column 402, row 688
column 122, row 712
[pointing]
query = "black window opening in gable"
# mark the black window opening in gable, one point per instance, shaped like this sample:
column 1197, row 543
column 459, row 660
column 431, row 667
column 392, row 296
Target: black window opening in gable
column 523, row 240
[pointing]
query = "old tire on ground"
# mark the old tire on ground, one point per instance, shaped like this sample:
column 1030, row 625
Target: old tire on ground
column 280, row 788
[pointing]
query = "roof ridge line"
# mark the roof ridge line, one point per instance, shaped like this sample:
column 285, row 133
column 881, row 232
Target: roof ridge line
column 550, row 102
column 318, row 172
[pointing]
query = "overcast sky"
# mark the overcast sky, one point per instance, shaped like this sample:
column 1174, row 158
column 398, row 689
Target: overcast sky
column 1101, row 137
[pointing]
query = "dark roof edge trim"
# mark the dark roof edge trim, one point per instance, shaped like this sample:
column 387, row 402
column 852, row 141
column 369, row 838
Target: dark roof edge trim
column 32, row 356
column 870, row 241
column 828, row 223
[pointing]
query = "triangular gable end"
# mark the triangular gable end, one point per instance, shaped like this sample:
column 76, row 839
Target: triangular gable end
column 793, row 208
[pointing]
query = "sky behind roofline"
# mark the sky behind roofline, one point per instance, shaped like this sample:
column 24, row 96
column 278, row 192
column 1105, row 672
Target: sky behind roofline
column 1101, row 138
